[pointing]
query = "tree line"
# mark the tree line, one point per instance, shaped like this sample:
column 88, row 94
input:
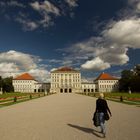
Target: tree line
column 6, row 84
column 130, row 80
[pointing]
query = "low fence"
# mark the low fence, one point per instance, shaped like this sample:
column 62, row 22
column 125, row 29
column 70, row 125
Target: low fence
column 15, row 99
column 118, row 98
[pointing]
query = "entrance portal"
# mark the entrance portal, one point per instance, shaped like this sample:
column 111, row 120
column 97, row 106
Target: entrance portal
column 70, row 91
column 66, row 90
column 61, row 90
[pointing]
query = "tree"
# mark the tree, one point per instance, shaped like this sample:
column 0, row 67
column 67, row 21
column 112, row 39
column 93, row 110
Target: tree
column 0, row 83
column 125, row 81
column 135, row 83
column 7, row 85
column 130, row 79
column 137, row 70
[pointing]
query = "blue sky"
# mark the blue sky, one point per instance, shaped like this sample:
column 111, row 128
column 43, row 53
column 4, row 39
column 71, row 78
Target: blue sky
column 92, row 36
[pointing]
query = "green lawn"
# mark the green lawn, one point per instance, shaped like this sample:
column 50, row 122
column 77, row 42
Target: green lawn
column 7, row 95
column 132, row 99
column 132, row 95
column 9, row 98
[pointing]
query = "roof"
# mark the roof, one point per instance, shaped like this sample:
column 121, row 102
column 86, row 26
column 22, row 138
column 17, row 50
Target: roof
column 25, row 76
column 106, row 76
column 65, row 69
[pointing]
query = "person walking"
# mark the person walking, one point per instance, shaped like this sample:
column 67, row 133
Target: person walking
column 103, row 110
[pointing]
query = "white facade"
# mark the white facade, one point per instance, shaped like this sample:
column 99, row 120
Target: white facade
column 42, row 87
column 65, row 80
column 107, row 85
column 25, row 86
column 25, row 83
column 88, row 87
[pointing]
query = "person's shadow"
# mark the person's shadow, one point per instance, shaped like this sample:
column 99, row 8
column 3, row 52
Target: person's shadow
column 84, row 129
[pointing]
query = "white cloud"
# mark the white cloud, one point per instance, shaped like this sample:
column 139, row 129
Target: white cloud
column 115, row 55
column 8, row 69
column 100, row 52
column 41, row 74
column 96, row 64
column 132, row 9
column 83, row 50
column 111, row 47
column 46, row 7
column 13, row 63
column 16, row 4
column 24, row 61
column 53, row 69
column 72, row 3
column 125, row 32
column 67, row 62
column 47, row 10
column 138, row 6
column 27, row 24
column 103, row 51
column 12, row 3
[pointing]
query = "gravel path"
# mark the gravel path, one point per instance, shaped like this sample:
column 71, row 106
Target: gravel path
column 66, row 117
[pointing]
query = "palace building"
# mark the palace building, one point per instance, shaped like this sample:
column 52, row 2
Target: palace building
column 88, row 87
column 106, row 83
column 26, row 83
column 65, row 80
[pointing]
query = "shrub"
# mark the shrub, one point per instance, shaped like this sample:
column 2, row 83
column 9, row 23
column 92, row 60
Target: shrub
column 30, row 96
column 15, row 99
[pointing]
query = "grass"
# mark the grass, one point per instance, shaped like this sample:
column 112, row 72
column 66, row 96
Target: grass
column 8, row 98
column 131, row 99
column 132, row 95
column 7, row 95
column 12, row 103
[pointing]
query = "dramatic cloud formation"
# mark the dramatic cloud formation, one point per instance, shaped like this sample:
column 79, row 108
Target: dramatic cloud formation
column 13, row 63
column 12, row 3
column 129, row 33
column 98, row 54
column 46, row 12
column 96, row 63
column 27, row 24
column 46, row 9
column 8, row 69
column 111, row 47
column 72, row 3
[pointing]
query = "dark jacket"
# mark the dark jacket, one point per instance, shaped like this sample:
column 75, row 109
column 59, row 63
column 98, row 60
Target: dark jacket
column 102, row 106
